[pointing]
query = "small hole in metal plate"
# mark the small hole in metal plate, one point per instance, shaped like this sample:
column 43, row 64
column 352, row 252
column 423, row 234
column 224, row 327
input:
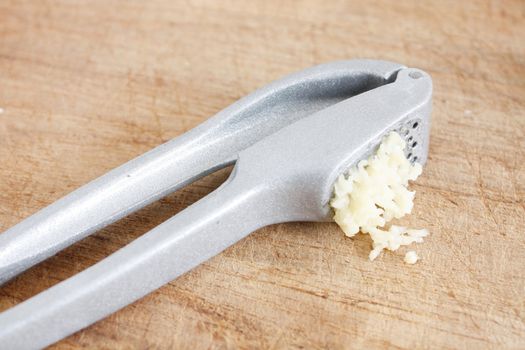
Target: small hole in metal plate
column 415, row 125
column 410, row 139
column 415, row 159
column 414, row 144
column 409, row 155
column 415, row 75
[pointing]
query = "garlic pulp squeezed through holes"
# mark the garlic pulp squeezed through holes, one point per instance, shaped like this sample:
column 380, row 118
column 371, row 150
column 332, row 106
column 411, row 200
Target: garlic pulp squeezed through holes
column 376, row 192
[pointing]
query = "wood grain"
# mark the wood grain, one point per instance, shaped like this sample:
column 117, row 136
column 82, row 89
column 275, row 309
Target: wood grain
column 86, row 86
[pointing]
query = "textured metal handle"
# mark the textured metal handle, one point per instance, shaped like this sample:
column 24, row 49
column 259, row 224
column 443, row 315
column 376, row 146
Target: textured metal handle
column 176, row 246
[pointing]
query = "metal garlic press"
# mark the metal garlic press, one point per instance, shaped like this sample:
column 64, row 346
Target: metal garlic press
column 288, row 141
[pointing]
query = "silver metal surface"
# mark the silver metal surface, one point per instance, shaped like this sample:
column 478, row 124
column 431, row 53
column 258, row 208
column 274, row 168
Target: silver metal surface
column 210, row 146
column 287, row 175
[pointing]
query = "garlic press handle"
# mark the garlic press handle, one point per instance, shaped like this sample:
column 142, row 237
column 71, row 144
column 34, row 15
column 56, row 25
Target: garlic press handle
column 159, row 256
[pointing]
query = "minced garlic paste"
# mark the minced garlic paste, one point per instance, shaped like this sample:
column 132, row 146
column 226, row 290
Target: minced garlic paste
column 411, row 257
column 374, row 193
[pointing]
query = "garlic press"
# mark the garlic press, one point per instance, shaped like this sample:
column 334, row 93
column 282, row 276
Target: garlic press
column 288, row 142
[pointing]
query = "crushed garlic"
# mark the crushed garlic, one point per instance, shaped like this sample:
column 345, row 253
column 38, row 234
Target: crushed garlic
column 374, row 193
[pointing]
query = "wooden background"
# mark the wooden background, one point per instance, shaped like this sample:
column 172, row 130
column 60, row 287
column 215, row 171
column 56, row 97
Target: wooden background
column 88, row 85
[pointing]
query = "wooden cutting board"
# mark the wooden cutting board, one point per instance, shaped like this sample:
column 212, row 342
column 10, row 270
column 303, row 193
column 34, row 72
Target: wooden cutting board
column 86, row 86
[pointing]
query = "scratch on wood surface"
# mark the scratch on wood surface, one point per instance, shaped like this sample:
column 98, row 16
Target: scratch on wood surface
column 483, row 196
